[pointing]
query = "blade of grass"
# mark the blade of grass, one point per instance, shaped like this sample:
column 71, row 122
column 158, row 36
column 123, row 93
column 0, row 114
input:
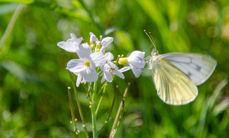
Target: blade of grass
column 208, row 106
column 11, row 25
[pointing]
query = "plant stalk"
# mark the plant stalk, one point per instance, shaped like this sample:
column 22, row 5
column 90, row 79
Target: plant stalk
column 92, row 106
column 117, row 117
column 79, row 106
column 101, row 98
column 72, row 110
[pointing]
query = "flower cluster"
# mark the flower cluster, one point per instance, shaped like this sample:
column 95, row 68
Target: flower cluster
column 94, row 61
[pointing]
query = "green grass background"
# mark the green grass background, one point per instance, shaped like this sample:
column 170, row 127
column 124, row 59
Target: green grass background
column 33, row 78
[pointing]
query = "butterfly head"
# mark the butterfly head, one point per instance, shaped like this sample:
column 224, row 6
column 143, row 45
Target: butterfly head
column 154, row 52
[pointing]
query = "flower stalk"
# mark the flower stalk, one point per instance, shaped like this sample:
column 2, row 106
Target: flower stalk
column 79, row 106
column 117, row 117
column 72, row 110
column 104, row 88
column 93, row 114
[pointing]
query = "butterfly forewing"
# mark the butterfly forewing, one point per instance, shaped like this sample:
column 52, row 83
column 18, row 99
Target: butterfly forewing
column 173, row 86
column 197, row 67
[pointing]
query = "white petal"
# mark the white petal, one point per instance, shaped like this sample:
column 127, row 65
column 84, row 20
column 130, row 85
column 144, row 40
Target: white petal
column 136, row 58
column 137, row 72
column 126, row 68
column 90, row 75
column 113, row 66
column 106, row 41
column 108, row 76
column 75, row 65
column 109, row 56
column 106, row 67
column 93, row 38
column 103, row 49
column 98, row 58
column 79, row 79
column 84, row 50
column 118, row 73
column 71, row 44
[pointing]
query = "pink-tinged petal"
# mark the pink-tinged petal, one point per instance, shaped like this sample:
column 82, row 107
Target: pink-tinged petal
column 93, row 38
column 103, row 49
column 83, row 50
column 118, row 73
column 98, row 58
column 126, row 68
column 75, row 65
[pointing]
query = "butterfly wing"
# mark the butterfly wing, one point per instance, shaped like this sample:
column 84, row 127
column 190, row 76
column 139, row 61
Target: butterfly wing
column 173, row 86
column 197, row 67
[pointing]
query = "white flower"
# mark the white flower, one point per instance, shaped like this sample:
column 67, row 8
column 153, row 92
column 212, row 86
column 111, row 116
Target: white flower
column 71, row 44
column 103, row 43
column 135, row 62
column 84, row 51
column 84, row 67
column 110, row 69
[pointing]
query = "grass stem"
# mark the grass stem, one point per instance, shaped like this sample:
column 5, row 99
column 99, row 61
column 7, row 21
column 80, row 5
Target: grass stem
column 11, row 25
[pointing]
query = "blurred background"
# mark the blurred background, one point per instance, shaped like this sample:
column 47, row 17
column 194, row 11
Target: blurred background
column 33, row 78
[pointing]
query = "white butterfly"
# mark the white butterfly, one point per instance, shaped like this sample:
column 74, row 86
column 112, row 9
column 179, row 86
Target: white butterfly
column 176, row 75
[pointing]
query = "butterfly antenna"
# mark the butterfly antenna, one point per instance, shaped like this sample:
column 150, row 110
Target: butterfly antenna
column 151, row 39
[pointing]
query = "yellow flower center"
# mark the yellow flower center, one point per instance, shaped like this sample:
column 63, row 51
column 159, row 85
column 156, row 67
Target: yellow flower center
column 87, row 63
column 123, row 61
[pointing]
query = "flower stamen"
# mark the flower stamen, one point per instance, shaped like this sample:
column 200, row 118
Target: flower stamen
column 87, row 63
column 123, row 61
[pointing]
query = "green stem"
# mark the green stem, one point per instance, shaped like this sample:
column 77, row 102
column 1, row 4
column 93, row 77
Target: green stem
column 117, row 117
column 79, row 106
column 101, row 98
column 72, row 110
column 93, row 119
column 98, row 106
column 93, row 116
column 110, row 112
column 11, row 25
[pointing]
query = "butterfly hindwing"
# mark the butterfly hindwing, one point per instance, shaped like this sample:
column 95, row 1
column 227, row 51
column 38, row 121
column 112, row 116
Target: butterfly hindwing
column 173, row 86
